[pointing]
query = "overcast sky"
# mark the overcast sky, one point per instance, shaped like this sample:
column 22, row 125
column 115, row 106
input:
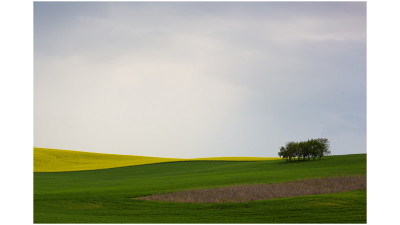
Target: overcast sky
column 199, row 79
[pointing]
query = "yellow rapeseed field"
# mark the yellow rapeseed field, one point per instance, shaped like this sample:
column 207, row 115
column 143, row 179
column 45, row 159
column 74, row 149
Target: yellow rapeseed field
column 56, row 160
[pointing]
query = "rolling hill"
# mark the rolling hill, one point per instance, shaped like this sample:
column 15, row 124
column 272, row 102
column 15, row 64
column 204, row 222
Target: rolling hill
column 110, row 195
column 57, row 160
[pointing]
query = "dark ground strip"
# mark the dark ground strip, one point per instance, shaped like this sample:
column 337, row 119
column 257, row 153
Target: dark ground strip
column 247, row 192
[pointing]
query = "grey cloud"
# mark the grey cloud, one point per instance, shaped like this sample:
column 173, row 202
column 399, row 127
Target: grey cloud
column 199, row 79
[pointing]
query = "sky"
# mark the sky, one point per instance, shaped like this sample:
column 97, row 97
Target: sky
column 199, row 79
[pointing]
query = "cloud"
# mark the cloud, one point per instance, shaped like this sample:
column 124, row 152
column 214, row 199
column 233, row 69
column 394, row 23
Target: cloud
column 198, row 79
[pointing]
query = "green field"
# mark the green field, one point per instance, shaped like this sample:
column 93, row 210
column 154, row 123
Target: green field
column 106, row 195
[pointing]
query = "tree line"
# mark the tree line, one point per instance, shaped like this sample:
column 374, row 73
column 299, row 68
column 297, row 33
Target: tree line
column 313, row 148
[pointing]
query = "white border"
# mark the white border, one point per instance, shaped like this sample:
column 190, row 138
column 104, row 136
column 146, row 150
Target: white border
column 16, row 118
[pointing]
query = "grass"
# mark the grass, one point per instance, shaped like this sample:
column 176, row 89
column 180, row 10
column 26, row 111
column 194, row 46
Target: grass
column 57, row 160
column 234, row 159
column 106, row 196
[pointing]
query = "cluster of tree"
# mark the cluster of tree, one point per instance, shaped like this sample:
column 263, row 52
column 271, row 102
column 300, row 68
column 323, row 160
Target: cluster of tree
column 305, row 149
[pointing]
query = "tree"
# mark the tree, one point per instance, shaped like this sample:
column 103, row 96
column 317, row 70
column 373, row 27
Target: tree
column 305, row 149
column 283, row 153
column 291, row 148
column 313, row 148
column 323, row 147
column 297, row 150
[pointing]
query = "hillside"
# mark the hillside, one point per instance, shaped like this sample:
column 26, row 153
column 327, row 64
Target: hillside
column 56, row 160
column 108, row 195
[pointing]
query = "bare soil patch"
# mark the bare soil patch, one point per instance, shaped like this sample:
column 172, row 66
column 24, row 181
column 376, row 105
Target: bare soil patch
column 247, row 192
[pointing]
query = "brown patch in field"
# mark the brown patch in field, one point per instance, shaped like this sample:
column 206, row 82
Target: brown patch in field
column 247, row 192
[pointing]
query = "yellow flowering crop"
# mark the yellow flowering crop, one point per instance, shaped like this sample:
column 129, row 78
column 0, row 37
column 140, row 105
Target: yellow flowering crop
column 55, row 160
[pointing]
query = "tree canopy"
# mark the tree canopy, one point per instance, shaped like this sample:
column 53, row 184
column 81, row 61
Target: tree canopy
column 313, row 148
